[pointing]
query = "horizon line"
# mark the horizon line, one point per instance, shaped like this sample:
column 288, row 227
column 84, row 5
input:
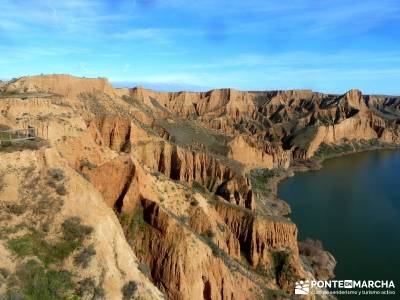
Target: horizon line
column 120, row 84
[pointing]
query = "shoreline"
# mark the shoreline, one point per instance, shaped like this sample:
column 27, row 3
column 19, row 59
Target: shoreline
column 315, row 165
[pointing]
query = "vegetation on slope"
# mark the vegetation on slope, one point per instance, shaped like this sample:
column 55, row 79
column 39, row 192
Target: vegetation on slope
column 39, row 247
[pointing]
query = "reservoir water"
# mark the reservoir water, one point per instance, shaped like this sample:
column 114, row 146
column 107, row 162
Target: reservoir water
column 353, row 206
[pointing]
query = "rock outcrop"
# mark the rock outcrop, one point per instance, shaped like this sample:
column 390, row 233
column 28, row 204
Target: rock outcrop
column 175, row 190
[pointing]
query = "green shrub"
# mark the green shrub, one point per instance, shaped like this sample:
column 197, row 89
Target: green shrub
column 35, row 144
column 74, row 230
column 37, row 283
column 198, row 187
column 61, row 190
column 34, row 244
column 279, row 259
column 183, row 219
column 86, row 163
column 210, row 233
column 144, row 268
column 83, row 258
column 51, row 252
column 133, row 223
column 129, row 289
column 87, row 289
column 16, row 209
column 57, row 174
column 126, row 147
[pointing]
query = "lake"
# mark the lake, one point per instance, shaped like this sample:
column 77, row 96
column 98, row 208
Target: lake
column 353, row 206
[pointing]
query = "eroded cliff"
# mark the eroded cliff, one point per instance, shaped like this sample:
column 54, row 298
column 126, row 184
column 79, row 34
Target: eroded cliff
column 176, row 188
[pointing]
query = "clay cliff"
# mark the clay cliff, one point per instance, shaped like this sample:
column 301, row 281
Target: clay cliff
column 132, row 193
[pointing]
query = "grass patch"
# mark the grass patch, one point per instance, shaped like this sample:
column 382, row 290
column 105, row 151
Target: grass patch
column 48, row 253
column 189, row 133
column 198, row 187
column 16, row 209
column 35, row 244
column 259, row 179
column 93, row 103
column 133, row 223
column 35, row 144
column 38, row 283
column 331, row 150
column 302, row 138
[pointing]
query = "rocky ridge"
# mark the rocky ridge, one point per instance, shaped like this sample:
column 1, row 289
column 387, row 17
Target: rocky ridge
column 177, row 188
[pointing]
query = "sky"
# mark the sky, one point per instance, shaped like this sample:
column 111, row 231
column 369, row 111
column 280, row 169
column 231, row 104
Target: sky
column 325, row 45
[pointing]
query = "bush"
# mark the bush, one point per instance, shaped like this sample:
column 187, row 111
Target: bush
column 16, row 209
column 317, row 258
column 98, row 293
column 74, row 230
column 198, row 187
column 83, row 258
column 279, row 259
column 144, row 268
column 126, row 147
column 57, row 174
column 210, row 233
column 129, row 289
column 86, row 163
column 2, row 183
column 61, row 190
column 52, row 183
column 183, row 219
column 47, row 204
column 4, row 272
column 194, row 202
column 310, row 247
column 85, row 287
column 35, row 144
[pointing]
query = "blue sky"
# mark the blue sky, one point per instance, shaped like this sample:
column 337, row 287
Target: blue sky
column 324, row 45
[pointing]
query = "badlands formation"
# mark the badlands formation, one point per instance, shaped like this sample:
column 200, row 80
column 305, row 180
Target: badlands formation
column 136, row 194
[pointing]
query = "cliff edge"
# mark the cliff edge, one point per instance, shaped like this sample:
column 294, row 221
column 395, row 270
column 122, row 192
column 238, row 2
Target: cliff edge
column 132, row 193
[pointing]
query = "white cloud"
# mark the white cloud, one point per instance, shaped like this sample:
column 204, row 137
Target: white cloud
column 67, row 16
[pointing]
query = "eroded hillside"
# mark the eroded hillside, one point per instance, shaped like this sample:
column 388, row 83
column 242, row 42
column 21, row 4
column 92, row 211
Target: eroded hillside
column 130, row 193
